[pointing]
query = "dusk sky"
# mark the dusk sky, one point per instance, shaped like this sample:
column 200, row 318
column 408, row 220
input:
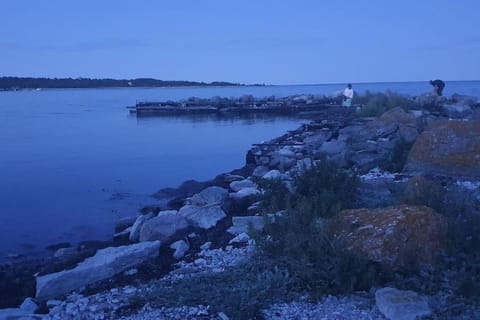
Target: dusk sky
column 272, row 42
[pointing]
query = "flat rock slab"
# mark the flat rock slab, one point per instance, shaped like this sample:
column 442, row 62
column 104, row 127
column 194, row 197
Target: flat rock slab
column 204, row 217
column 210, row 195
column 396, row 304
column 242, row 224
column 103, row 265
column 162, row 227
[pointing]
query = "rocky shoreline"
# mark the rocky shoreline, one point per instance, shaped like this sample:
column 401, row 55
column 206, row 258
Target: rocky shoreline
column 204, row 227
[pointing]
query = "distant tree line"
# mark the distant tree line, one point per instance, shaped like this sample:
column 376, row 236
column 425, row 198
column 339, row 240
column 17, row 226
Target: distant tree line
column 17, row 83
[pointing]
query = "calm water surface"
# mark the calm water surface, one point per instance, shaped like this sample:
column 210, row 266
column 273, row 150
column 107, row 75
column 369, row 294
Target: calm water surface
column 73, row 161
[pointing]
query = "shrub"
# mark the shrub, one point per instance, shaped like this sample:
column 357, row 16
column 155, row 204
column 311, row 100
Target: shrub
column 241, row 291
column 298, row 240
column 275, row 195
column 461, row 208
column 324, row 188
column 376, row 104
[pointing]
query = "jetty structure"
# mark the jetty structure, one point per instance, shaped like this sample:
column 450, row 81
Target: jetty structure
column 246, row 104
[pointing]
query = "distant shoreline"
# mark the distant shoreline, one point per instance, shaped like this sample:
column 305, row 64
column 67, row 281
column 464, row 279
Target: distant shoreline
column 28, row 83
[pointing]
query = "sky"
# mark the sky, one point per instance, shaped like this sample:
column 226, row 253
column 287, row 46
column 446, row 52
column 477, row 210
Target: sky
column 248, row 41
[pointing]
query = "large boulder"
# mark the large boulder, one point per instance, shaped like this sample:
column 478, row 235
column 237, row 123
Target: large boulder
column 394, row 122
column 204, row 217
column 163, row 226
column 457, row 111
column 104, row 264
column 397, row 304
column 461, row 99
column 450, row 148
column 210, row 195
column 18, row 314
column 429, row 99
column 137, row 226
column 397, row 237
column 371, row 144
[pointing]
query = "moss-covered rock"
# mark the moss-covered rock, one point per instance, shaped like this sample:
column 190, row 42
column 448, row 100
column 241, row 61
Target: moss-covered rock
column 450, row 148
column 397, row 237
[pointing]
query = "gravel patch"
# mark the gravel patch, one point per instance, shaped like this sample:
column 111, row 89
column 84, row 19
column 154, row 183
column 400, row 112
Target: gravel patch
column 359, row 306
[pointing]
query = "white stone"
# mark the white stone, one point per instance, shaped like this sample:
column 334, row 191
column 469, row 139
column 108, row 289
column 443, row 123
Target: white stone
column 244, row 193
column 206, row 245
column 259, row 171
column 396, row 304
column 29, row 305
column 103, row 265
column 163, row 226
column 286, row 152
column 180, row 248
column 239, row 185
column 204, row 217
column 210, row 195
column 131, row 272
column 273, row 174
column 53, row 303
column 137, row 225
column 242, row 237
column 17, row 313
column 200, row 262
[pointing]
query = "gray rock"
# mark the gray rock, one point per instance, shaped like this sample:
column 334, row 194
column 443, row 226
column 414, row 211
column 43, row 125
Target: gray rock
column 273, row 174
column 259, row 171
column 18, row 314
column 66, row 254
column 103, row 265
column 180, row 248
column 463, row 99
column 163, row 226
column 449, row 148
column 124, row 223
column 333, row 147
column 206, row 245
column 232, row 177
column 286, row 152
column 239, row 185
column 245, row 193
column 408, row 134
column 242, row 237
column 29, row 305
column 204, row 217
column 135, row 230
column 457, row 111
column 123, row 235
column 210, row 195
column 396, row 304
column 277, row 160
column 429, row 99
column 242, row 224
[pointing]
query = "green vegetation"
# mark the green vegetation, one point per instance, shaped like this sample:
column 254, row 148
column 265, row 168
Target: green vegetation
column 241, row 292
column 462, row 211
column 376, row 104
column 16, row 83
column 297, row 239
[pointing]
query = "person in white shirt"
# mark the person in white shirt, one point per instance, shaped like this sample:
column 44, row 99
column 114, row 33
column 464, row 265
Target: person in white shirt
column 347, row 96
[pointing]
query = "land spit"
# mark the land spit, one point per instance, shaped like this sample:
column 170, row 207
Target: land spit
column 243, row 105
